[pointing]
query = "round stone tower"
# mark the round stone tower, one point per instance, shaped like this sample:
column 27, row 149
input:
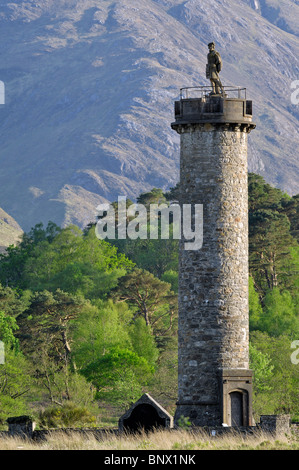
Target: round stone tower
column 215, row 383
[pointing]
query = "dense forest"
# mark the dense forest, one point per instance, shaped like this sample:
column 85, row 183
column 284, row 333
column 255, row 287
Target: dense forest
column 89, row 325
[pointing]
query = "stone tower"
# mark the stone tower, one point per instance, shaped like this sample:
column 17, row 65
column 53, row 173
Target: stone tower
column 215, row 383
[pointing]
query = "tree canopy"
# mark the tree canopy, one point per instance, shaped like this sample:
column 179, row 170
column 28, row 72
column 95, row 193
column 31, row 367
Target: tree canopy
column 89, row 325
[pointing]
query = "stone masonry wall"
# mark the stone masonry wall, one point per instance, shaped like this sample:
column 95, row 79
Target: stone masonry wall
column 213, row 283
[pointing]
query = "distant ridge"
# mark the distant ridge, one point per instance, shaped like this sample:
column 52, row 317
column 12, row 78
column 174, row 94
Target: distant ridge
column 90, row 90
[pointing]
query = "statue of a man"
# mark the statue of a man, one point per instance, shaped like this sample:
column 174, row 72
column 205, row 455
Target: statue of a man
column 213, row 68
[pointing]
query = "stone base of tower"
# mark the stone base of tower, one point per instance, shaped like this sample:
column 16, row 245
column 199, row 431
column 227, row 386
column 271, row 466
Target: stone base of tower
column 202, row 415
column 232, row 408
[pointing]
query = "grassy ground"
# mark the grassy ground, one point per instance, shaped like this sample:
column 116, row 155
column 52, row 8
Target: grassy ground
column 158, row 440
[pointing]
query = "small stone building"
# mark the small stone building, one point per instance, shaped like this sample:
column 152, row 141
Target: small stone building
column 145, row 414
column 21, row 426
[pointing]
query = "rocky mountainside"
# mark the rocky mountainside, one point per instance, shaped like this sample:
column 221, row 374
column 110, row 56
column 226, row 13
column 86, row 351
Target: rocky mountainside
column 10, row 231
column 90, row 88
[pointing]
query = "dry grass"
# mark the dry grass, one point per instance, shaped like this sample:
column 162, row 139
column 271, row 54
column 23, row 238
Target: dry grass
column 158, row 440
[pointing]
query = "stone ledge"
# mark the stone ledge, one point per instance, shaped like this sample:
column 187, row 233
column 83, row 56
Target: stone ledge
column 182, row 127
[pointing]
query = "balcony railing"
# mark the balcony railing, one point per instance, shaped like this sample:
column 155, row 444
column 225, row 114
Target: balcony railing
column 204, row 91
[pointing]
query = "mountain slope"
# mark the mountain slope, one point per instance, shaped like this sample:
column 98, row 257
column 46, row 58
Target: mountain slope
column 90, row 89
column 10, row 231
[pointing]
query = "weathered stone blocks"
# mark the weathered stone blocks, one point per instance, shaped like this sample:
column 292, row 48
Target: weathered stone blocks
column 213, row 281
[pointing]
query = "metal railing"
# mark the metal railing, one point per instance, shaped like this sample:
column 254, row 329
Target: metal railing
column 203, row 91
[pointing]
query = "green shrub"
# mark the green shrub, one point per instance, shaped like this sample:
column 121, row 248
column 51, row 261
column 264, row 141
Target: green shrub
column 66, row 416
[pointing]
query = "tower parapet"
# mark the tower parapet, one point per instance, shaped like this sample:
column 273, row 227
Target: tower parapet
column 217, row 110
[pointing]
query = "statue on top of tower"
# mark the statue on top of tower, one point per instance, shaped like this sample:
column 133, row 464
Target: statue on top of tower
column 213, row 68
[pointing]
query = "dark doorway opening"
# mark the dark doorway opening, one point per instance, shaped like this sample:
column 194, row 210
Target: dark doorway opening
column 143, row 417
column 236, row 401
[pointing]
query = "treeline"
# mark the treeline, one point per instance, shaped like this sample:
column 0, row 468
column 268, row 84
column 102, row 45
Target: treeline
column 89, row 325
